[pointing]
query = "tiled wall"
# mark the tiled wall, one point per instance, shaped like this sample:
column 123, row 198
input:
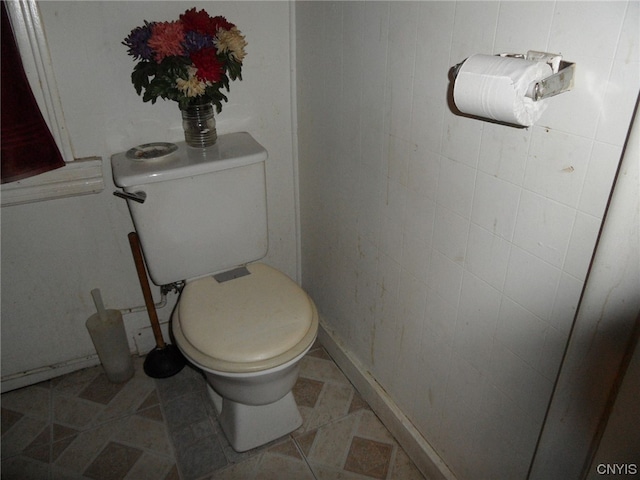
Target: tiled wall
column 449, row 253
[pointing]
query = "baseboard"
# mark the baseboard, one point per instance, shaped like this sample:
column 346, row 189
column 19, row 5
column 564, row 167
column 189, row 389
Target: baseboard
column 143, row 339
column 37, row 375
column 418, row 449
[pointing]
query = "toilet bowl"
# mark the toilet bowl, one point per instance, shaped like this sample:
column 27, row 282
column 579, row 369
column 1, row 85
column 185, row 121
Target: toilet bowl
column 248, row 336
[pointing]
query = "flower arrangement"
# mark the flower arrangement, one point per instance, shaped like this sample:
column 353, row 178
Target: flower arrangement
column 189, row 60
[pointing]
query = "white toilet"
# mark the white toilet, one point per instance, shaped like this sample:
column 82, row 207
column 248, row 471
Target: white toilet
column 201, row 217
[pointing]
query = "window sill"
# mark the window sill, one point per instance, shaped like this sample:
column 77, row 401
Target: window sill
column 80, row 177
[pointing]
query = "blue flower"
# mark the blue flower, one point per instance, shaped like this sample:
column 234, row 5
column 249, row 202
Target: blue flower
column 195, row 41
column 138, row 42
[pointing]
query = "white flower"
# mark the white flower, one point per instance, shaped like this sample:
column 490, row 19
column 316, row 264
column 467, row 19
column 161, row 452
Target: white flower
column 192, row 87
column 231, row 41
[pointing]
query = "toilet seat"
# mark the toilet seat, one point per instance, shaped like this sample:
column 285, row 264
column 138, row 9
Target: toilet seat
column 247, row 324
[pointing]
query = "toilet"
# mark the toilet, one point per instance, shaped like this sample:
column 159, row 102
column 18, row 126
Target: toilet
column 201, row 216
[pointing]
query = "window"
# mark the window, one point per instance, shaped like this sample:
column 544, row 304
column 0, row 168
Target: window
column 79, row 176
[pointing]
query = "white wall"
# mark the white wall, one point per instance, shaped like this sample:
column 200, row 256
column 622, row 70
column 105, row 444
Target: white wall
column 55, row 252
column 449, row 253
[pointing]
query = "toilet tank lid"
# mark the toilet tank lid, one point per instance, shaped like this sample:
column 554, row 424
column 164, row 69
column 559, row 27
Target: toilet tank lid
column 230, row 151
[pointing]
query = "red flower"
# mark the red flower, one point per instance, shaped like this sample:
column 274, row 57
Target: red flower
column 221, row 22
column 201, row 22
column 210, row 68
column 196, row 21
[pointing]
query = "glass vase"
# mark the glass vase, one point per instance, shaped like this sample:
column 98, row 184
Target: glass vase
column 199, row 125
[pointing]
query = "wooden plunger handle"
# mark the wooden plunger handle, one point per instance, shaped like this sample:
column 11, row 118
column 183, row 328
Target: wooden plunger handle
column 134, row 241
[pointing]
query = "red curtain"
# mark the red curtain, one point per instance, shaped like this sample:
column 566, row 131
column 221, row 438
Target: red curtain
column 27, row 146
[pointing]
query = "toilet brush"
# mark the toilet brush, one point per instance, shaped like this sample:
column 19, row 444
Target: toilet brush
column 164, row 360
column 108, row 335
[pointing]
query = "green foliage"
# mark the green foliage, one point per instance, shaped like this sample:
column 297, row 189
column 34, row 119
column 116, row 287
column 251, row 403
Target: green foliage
column 235, row 70
column 159, row 80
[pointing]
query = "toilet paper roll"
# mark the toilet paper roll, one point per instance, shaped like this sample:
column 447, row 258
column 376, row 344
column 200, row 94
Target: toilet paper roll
column 494, row 87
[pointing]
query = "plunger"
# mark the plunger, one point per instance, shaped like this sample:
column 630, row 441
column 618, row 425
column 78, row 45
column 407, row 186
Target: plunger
column 165, row 360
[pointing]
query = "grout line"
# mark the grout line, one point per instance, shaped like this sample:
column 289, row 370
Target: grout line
column 302, row 454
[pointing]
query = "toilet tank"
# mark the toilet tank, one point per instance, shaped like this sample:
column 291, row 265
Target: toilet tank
column 205, row 210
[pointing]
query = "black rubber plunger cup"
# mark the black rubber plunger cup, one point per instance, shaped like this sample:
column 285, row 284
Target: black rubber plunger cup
column 165, row 360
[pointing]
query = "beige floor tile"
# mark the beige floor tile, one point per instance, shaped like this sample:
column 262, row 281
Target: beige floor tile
column 305, row 441
column 306, row 413
column 277, row 467
column 33, row 401
column 59, row 473
column 286, row 448
column 319, row 352
column 152, row 413
column 369, row 458
column 357, row 403
column 113, row 462
column 371, row 427
column 322, row 370
column 145, row 434
column 40, row 448
column 245, row 470
column 86, row 447
column 9, row 419
column 61, row 432
column 333, row 403
column 74, row 383
column 331, row 443
column 173, row 474
column 21, row 435
column 322, row 472
column 129, row 399
column 151, row 400
column 150, row 467
column 306, row 392
column 21, row 468
column 101, row 390
column 404, row 468
column 75, row 412
column 57, row 448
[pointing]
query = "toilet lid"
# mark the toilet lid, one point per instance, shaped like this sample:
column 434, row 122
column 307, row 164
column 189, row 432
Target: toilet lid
column 248, row 319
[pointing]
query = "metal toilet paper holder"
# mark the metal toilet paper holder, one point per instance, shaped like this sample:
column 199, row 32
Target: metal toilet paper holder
column 561, row 80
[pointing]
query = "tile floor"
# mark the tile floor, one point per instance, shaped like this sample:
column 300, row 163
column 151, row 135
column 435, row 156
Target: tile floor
column 80, row 426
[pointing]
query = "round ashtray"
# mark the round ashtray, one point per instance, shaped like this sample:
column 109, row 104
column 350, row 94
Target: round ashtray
column 152, row 151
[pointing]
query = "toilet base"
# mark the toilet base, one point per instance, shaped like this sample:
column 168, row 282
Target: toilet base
column 249, row 426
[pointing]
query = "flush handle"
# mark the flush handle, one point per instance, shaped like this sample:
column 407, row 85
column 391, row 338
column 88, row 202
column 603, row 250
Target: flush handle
column 139, row 197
